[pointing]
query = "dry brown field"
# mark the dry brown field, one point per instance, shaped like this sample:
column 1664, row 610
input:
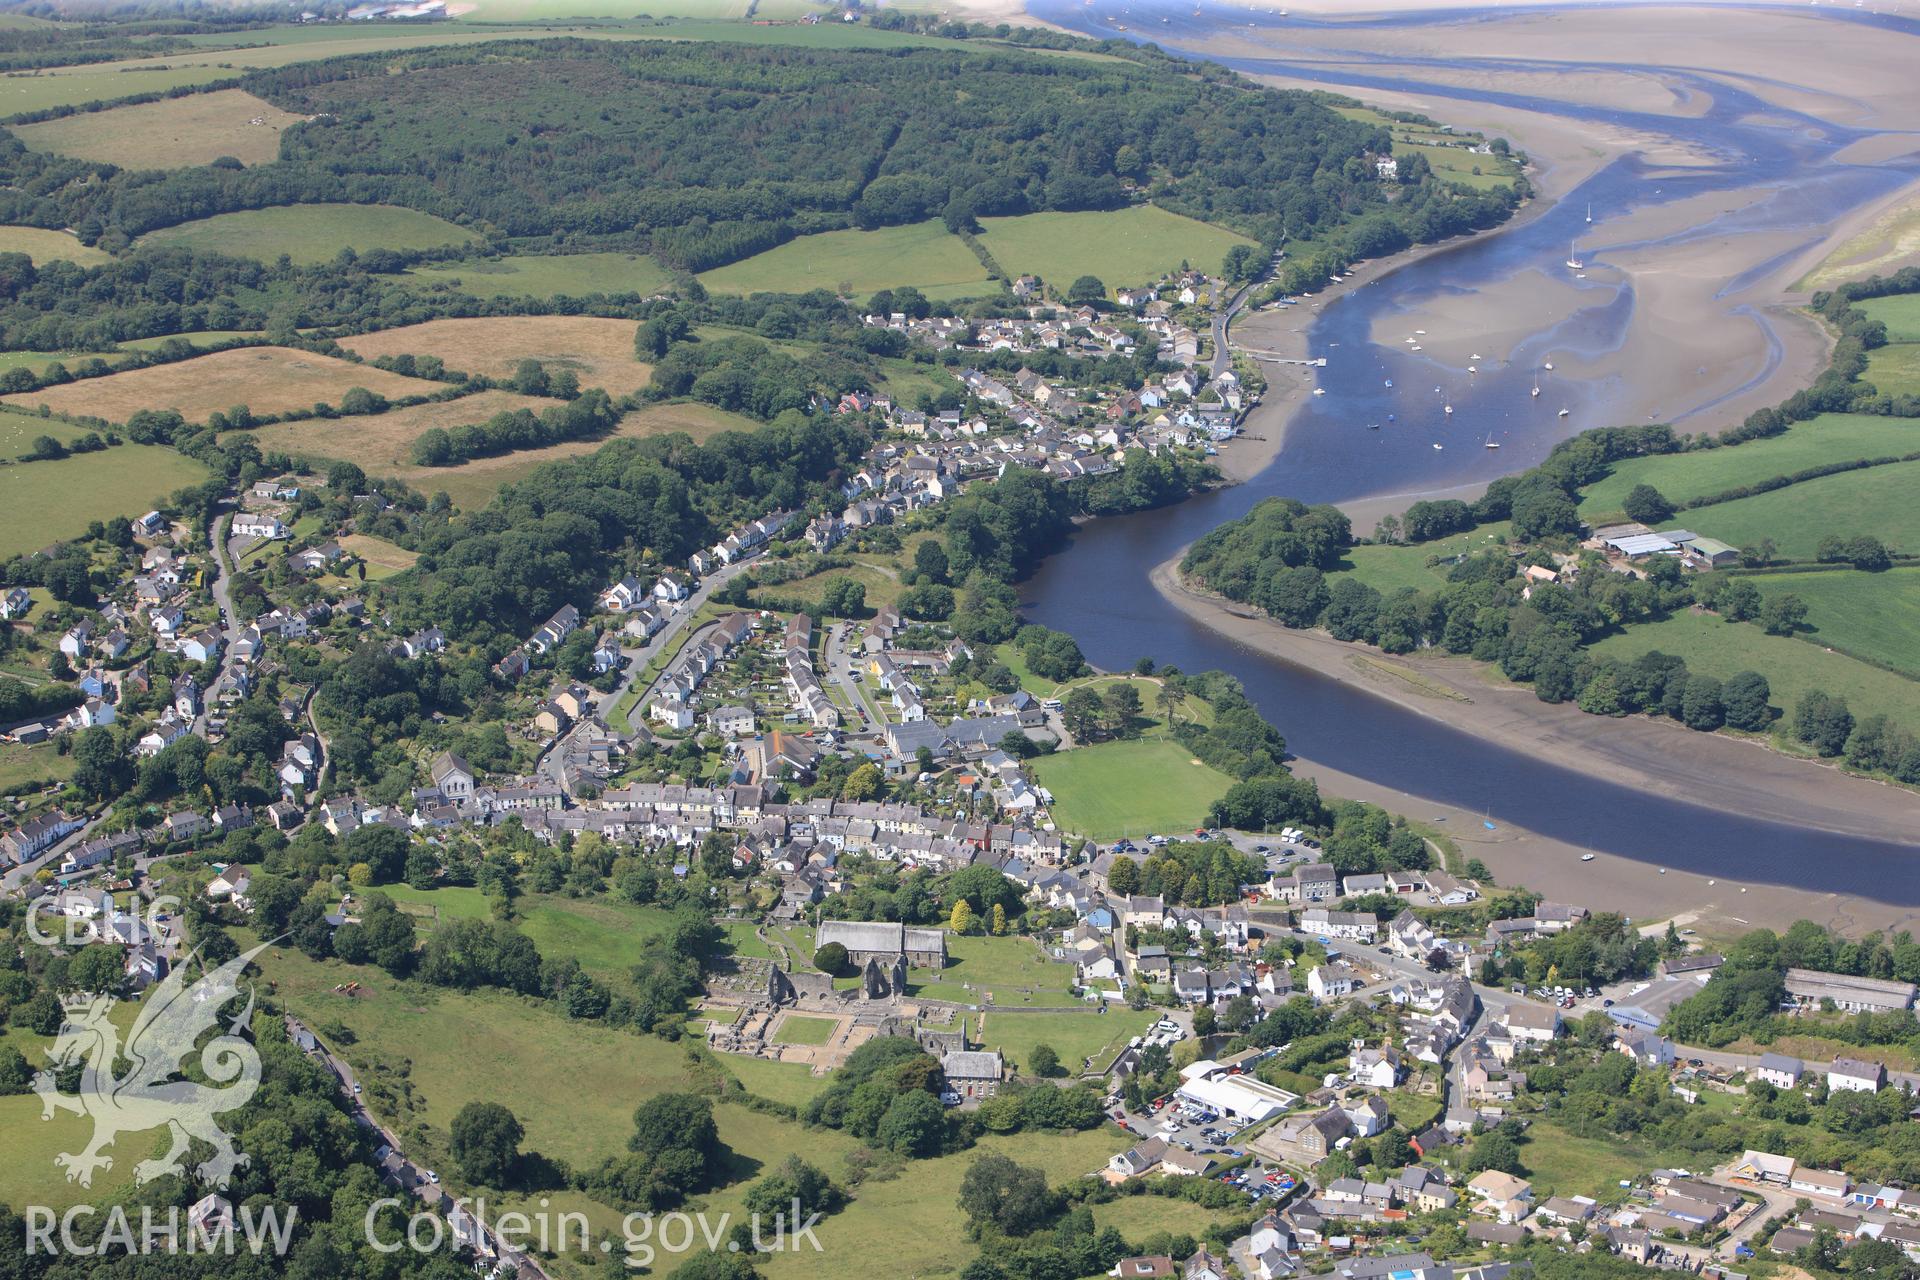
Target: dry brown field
column 599, row 351
column 173, row 134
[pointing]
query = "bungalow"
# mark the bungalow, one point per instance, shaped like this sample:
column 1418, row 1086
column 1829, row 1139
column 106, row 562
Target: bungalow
column 1832, row 1183
column 316, row 559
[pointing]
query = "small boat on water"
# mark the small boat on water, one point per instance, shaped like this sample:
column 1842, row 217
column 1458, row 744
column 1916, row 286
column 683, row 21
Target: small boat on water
column 1491, row 442
column 1416, row 347
column 1573, row 256
column 1373, row 426
column 1389, row 383
column 1319, row 391
column 1565, row 412
column 1473, row 368
column 1589, row 203
column 1586, row 857
column 1536, row 384
column 1548, row 366
column 1438, row 445
column 1449, row 409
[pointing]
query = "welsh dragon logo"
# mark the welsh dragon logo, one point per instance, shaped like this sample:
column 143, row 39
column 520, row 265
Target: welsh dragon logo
column 151, row 1094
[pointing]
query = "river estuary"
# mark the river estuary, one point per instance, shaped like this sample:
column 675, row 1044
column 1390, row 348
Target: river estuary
column 1778, row 168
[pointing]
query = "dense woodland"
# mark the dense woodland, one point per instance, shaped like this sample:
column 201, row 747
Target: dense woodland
column 710, row 152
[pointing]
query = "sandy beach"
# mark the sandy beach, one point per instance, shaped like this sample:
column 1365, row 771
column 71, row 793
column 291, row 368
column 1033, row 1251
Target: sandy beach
column 1699, row 352
column 1713, row 770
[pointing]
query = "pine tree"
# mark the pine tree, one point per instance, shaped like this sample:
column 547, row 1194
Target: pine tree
column 962, row 918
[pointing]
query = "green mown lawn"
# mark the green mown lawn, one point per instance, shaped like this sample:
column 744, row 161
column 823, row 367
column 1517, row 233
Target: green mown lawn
column 1127, row 246
column 1129, row 788
column 795, row 1029
column 1680, row 477
column 1877, row 500
column 1561, row 1164
column 1870, row 615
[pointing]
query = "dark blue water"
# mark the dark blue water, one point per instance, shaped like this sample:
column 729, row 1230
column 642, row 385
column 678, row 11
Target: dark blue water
column 1098, row 589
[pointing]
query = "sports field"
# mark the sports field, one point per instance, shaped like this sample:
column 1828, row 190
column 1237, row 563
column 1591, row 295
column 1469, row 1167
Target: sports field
column 574, row 275
column 1129, row 788
column 599, row 351
column 1680, row 477
column 1871, row 615
column 1127, row 246
column 310, row 233
column 857, row 263
column 1713, row 646
column 174, row 133
column 379, row 442
column 43, row 502
column 1900, row 313
column 1877, row 500
column 265, row 379
column 45, row 246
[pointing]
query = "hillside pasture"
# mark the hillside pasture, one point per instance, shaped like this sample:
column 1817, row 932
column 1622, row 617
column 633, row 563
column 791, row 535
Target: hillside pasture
column 1718, row 648
column 378, row 442
column 1877, row 500
column 1900, row 313
column 598, row 351
column 310, row 233
column 265, row 379
column 924, row 255
column 1126, row 246
column 1682, row 477
column 1129, row 788
column 43, row 502
column 1895, row 370
column 45, row 246
column 174, row 133
column 383, row 559
column 573, row 275
column 1870, row 615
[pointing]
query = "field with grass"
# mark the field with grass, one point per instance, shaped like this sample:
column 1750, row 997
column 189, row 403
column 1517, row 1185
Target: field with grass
column 174, row 133
column 472, row 485
column 265, row 379
column 599, row 351
column 883, row 587
column 1127, row 246
column 45, row 246
column 1075, row 1036
column 1894, row 370
column 1900, row 313
column 1129, row 788
column 28, row 1175
column 924, row 255
column 573, row 275
column 192, row 337
column 1455, row 163
column 798, row 1029
column 310, row 233
column 18, row 431
column 1887, row 245
column 1137, row 1217
column 1878, row 500
column 1719, row 648
column 1870, row 615
column 1388, row 567
column 1013, row 969
column 1682, row 477
column 605, row 937
column 382, row 557
column 382, row 441
column 24, row 92
column 1560, row 1163
column 43, row 502
column 789, row 1082
column 23, row 765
